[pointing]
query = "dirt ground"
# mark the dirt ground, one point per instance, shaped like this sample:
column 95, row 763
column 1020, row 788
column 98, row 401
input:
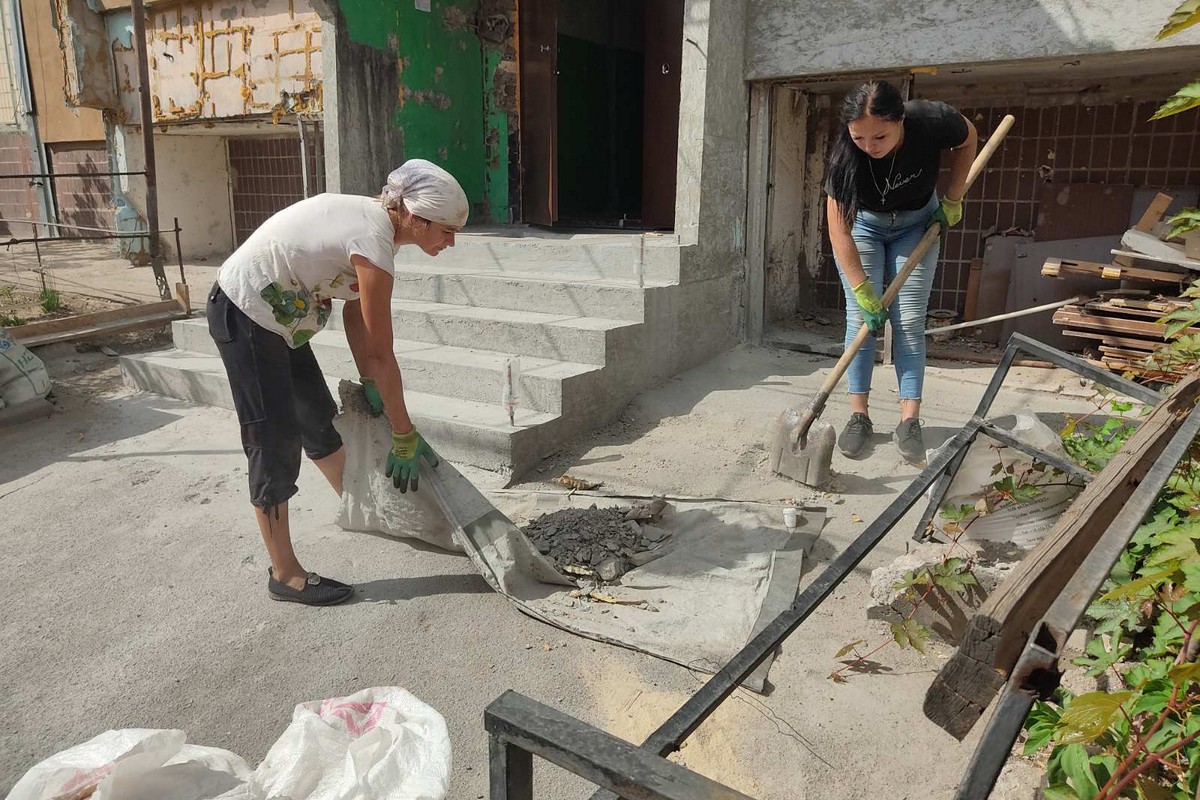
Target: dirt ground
column 136, row 589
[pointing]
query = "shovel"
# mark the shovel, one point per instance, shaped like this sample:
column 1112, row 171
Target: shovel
column 810, row 453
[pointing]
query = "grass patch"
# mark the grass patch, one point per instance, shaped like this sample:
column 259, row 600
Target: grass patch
column 50, row 300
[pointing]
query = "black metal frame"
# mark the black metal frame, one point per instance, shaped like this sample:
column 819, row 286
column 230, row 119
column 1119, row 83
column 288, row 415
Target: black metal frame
column 519, row 730
column 1017, row 345
column 1036, row 674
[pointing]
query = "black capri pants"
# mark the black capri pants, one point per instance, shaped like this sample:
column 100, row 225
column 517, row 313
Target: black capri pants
column 281, row 398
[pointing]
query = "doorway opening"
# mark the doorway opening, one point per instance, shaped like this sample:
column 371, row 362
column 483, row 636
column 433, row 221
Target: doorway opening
column 600, row 112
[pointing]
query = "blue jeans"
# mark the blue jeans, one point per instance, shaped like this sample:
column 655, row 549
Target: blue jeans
column 884, row 240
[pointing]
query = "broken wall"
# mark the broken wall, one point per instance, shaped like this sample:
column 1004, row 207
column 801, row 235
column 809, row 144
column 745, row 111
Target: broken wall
column 218, row 60
column 87, row 64
column 57, row 119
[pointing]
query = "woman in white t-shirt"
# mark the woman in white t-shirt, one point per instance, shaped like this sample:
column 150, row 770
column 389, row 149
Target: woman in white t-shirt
column 273, row 294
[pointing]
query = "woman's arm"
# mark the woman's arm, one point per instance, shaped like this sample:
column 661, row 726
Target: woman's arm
column 960, row 163
column 844, row 248
column 374, row 340
column 356, row 335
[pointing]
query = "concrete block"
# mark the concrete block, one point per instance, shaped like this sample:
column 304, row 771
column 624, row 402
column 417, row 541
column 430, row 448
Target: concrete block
column 944, row 613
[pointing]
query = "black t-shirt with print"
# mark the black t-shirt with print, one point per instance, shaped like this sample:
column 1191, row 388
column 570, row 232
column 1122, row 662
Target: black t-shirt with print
column 906, row 181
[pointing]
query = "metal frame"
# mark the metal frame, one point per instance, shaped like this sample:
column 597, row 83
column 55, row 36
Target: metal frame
column 1036, row 674
column 518, row 730
column 1017, row 345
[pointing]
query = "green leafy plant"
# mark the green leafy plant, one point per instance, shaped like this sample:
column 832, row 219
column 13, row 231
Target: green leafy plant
column 9, row 319
column 1141, row 739
column 8, row 293
column 1184, row 222
column 50, row 300
column 952, row 574
column 1187, row 97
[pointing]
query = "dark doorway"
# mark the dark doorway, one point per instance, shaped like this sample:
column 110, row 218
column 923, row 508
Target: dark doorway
column 600, row 111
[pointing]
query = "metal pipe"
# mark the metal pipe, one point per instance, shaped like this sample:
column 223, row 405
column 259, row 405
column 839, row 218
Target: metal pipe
column 303, row 154
column 30, row 126
column 1082, row 298
column 143, row 68
column 73, row 174
column 179, row 252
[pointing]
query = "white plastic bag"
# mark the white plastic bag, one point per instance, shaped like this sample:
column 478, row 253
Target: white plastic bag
column 1023, row 524
column 136, row 764
column 382, row 744
column 23, row 376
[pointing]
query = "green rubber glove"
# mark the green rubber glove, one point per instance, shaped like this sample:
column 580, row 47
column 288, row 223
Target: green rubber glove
column 371, row 392
column 403, row 462
column 949, row 213
column 873, row 312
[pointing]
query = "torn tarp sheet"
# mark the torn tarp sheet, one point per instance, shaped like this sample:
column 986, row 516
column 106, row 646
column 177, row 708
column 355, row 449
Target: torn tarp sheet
column 727, row 570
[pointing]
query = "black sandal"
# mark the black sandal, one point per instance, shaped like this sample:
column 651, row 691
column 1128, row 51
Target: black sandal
column 317, row 591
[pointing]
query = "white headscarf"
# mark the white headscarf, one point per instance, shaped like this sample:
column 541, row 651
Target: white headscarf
column 428, row 191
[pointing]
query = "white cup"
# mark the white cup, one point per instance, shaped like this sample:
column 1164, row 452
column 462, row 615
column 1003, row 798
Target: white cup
column 789, row 516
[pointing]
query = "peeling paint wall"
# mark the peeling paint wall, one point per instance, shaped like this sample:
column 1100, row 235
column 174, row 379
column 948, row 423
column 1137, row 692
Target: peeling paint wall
column 215, row 60
column 87, row 65
column 445, row 73
column 57, row 119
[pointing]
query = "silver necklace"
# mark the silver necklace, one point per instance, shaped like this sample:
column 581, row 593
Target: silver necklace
column 888, row 182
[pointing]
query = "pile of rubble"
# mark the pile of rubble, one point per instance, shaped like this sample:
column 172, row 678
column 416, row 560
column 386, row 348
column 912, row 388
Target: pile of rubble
column 600, row 544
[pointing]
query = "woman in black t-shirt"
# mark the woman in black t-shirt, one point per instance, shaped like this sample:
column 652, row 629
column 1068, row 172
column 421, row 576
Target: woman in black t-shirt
column 883, row 172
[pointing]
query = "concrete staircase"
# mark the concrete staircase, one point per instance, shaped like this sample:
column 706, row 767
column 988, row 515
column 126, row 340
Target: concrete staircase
column 568, row 306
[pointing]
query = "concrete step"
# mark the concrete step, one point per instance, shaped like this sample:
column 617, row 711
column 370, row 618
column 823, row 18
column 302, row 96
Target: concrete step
column 546, row 292
column 557, row 337
column 466, row 432
column 611, row 256
column 476, row 375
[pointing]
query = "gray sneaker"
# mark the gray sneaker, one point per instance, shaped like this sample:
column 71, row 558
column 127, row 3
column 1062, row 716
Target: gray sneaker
column 856, row 435
column 909, row 441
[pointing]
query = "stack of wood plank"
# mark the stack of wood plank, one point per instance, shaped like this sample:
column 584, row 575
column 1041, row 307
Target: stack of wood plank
column 1122, row 325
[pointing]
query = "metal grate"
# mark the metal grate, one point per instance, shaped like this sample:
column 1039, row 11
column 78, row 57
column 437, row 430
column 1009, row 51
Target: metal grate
column 266, row 177
column 17, row 198
column 1078, row 144
column 84, row 201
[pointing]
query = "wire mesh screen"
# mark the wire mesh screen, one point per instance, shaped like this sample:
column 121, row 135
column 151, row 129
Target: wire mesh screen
column 266, row 177
column 1113, row 144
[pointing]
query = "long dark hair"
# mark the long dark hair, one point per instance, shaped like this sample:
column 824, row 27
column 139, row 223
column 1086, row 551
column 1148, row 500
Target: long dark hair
column 879, row 99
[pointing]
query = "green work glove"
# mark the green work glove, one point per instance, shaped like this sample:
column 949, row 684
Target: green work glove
column 371, row 392
column 873, row 312
column 949, row 213
column 403, row 462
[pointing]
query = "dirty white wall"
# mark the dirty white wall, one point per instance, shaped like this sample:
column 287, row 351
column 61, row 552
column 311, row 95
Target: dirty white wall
column 229, row 58
column 10, row 98
column 193, row 184
column 789, row 38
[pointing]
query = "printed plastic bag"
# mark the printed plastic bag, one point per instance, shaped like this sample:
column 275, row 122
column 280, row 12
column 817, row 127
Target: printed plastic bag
column 382, row 744
column 1023, row 524
column 136, row 764
column 23, row 376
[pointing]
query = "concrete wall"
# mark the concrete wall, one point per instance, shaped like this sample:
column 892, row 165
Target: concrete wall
column 710, row 214
column 214, row 60
column 87, row 61
column 789, row 38
column 193, row 184
column 57, row 120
